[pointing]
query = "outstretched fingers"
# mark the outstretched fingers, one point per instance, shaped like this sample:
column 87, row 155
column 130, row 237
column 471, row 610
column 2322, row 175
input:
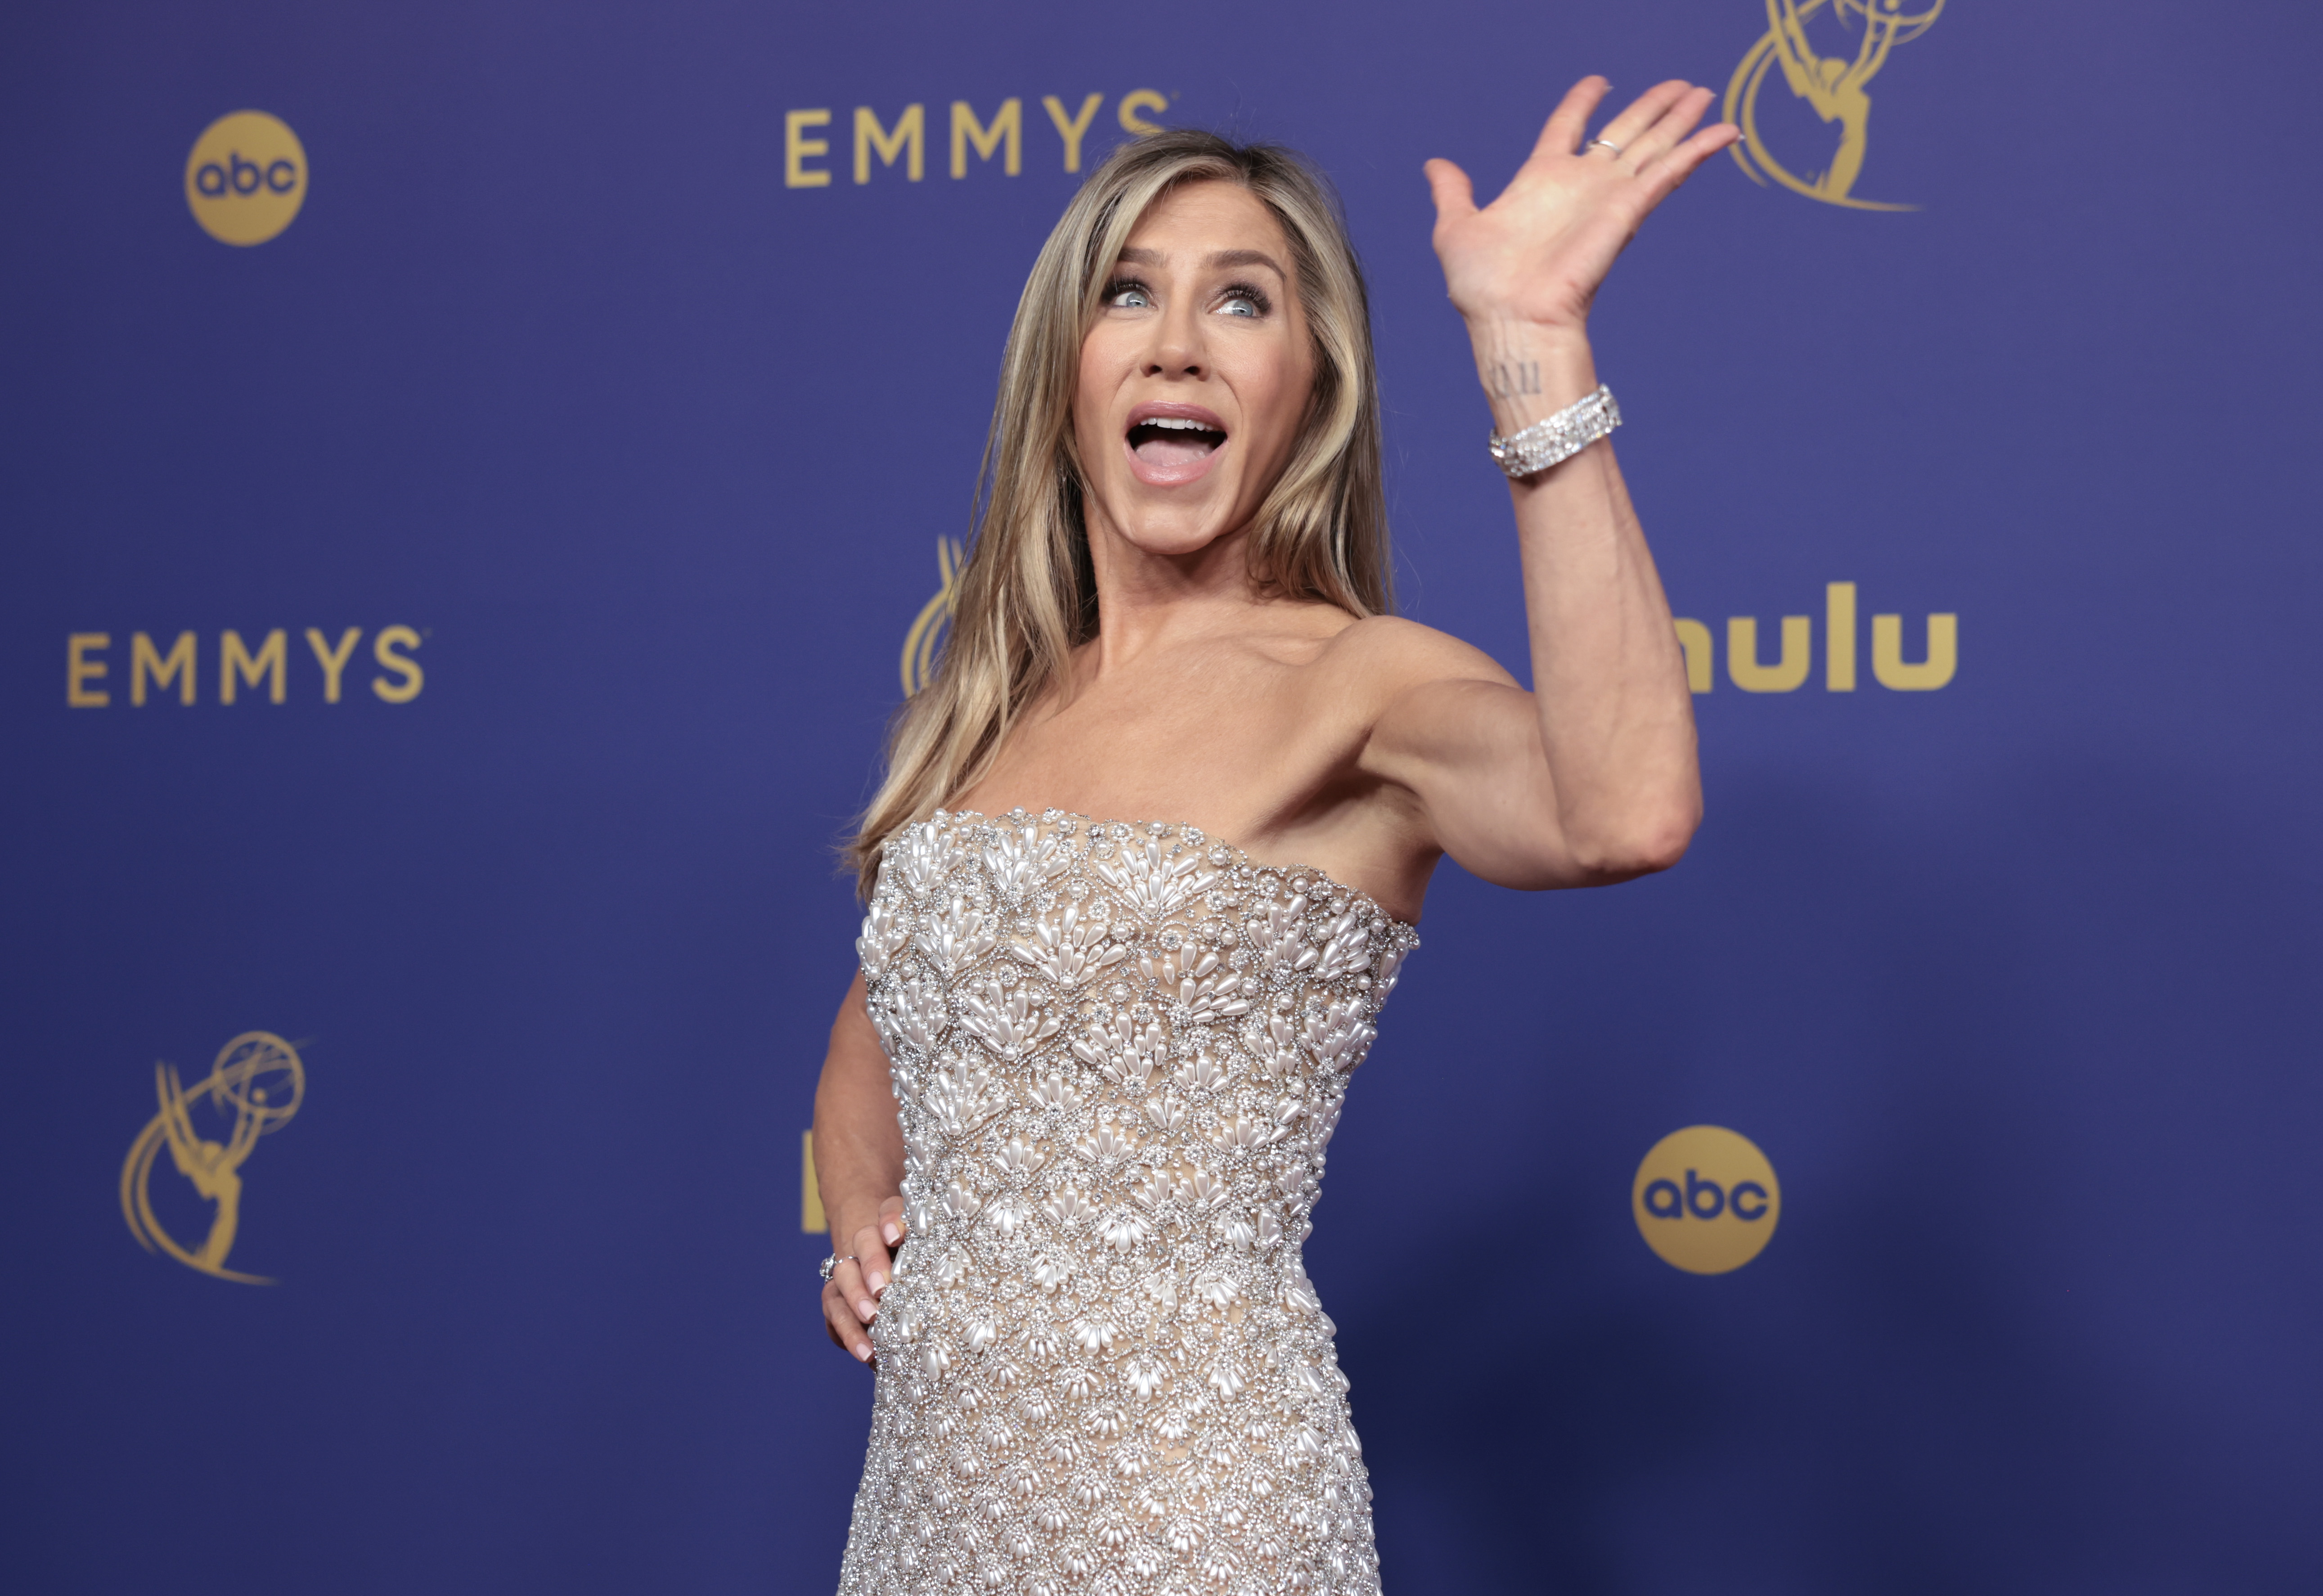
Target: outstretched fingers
column 1673, row 167
column 1562, row 134
column 1656, row 121
column 1538, row 252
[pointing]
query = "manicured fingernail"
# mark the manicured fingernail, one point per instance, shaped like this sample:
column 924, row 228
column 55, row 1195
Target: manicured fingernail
column 863, row 1352
column 866, row 1308
column 877, row 1282
column 894, row 1235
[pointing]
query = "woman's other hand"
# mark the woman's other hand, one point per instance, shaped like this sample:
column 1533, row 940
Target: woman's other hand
column 1538, row 252
column 850, row 1298
column 858, row 1166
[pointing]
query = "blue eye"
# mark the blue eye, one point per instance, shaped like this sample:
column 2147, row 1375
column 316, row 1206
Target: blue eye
column 1241, row 300
column 1128, row 296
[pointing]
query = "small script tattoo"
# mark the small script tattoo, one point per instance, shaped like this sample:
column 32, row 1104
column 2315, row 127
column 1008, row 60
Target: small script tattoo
column 1507, row 380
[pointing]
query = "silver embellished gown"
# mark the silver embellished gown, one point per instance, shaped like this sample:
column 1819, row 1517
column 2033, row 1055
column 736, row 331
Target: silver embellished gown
column 1118, row 1052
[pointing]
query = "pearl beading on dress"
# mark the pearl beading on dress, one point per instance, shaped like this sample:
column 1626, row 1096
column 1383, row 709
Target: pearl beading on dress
column 1118, row 1053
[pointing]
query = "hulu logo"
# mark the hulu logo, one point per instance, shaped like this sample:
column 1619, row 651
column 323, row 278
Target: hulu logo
column 1750, row 670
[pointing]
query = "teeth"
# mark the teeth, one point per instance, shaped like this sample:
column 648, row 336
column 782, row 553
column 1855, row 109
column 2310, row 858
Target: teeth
column 1175, row 423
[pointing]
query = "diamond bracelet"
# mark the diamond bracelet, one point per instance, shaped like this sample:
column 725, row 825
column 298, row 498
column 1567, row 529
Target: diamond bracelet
column 1558, row 437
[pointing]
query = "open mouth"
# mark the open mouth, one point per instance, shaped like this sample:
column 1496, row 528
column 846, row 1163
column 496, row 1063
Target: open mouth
column 1174, row 442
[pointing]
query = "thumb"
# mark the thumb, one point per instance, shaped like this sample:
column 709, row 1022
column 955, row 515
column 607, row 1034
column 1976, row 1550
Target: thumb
column 1455, row 197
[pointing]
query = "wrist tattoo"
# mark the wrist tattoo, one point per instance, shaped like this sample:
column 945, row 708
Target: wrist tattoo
column 1510, row 379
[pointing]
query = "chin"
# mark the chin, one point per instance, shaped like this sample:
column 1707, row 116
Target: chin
column 1175, row 548
column 1172, row 531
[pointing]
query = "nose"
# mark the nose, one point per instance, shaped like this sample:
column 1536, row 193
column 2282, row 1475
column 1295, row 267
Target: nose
column 1178, row 348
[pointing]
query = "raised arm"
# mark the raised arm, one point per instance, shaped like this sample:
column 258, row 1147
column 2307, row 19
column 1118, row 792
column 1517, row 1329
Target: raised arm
column 858, row 1166
column 1591, row 777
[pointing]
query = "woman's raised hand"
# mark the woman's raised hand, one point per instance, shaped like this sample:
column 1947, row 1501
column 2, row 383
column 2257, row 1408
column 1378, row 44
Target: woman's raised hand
column 850, row 1298
column 1538, row 253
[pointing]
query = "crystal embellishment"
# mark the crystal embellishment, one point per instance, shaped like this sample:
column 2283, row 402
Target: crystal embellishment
column 1557, row 438
column 1101, row 1366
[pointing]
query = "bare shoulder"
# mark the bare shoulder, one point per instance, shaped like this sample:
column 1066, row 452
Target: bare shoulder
column 1293, row 632
column 1396, row 654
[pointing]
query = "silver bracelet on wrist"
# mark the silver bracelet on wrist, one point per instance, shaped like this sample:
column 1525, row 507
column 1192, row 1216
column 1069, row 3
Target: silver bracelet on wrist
column 1558, row 437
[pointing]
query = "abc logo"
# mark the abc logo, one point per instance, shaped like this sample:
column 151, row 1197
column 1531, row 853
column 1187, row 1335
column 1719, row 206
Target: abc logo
column 246, row 178
column 1706, row 1199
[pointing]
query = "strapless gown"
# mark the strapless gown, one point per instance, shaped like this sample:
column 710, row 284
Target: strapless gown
column 1118, row 1053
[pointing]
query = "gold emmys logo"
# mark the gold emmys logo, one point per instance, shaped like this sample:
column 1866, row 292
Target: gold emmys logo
column 257, row 1083
column 155, row 672
column 1833, row 85
column 1706, row 1199
column 927, row 633
column 246, row 178
column 1002, row 138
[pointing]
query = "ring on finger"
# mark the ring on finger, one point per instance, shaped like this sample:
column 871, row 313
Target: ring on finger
column 1602, row 143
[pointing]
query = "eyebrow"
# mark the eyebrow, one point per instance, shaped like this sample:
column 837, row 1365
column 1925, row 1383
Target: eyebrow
column 1218, row 261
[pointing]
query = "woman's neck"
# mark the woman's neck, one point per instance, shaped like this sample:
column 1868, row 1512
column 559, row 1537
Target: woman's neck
column 1148, row 598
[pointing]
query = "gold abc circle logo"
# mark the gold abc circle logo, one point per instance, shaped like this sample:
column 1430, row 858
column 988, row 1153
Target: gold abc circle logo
column 1706, row 1199
column 246, row 178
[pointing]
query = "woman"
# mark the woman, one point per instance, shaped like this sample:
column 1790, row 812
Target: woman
column 1152, row 843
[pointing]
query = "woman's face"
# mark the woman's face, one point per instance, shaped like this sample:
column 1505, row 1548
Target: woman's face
column 1194, row 381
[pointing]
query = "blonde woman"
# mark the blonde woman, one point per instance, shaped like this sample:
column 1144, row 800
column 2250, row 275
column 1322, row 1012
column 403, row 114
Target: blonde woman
column 1152, row 844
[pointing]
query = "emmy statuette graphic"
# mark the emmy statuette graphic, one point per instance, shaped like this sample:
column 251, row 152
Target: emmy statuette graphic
column 255, row 1086
column 1835, row 87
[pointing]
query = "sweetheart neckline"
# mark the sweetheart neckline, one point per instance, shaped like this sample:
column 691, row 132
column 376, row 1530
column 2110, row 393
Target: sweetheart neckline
column 1241, row 855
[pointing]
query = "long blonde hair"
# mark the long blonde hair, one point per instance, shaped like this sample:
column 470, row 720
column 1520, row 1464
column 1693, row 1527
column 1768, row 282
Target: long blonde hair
column 1027, row 596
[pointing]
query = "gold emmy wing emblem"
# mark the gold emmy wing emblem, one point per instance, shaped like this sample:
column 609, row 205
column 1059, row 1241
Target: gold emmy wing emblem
column 255, row 1088
column 927, row 631
column 1834, row 86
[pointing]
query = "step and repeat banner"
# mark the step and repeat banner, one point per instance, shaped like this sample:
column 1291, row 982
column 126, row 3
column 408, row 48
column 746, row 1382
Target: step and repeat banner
column 479, row 477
